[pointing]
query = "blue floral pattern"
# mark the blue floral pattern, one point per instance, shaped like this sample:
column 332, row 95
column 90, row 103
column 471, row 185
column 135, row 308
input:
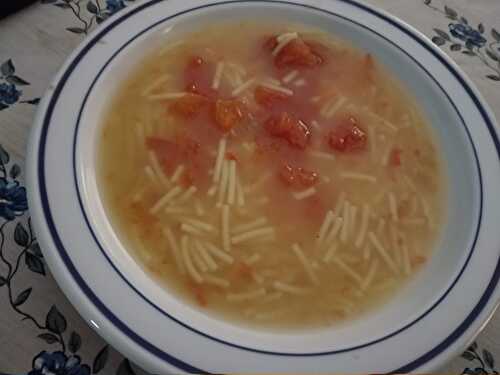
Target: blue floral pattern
column 58, row 363
column 9, row 83
column 93, row 12
column 482, row 363
column 13, row 202
column 66, row 361
column 470, row 41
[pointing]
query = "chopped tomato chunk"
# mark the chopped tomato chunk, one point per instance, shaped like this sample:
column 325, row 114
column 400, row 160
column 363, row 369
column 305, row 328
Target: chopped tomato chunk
column 295, row 131
column 347, row 136
column 297, row 176
column 298, row 54
column 198, row 77
column 395, row 157
column 189, row 106
column 267, row 97
column 228, row 113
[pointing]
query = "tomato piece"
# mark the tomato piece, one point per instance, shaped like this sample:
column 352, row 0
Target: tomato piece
column 348, row 136
column 395, row 157
column 198, row 77
column 189, row 106
column 279, row 126
column 298, row 54
column 299, row 135
column 295, row 131
column 287, row 174
column 297, row 176
column 307, row 178
column 228, row 113
column 267, row 97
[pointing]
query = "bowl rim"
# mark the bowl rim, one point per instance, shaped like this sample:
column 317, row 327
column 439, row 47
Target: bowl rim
column 47, row 107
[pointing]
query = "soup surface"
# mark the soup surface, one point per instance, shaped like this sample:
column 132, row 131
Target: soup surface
column 271, row 174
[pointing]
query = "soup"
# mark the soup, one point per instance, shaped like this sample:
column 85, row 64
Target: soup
column 272, row 175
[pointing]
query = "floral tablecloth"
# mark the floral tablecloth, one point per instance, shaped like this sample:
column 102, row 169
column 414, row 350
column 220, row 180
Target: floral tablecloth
column 40, row 331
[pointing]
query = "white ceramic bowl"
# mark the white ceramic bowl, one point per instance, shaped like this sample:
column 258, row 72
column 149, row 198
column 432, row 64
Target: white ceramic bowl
column 435, row 317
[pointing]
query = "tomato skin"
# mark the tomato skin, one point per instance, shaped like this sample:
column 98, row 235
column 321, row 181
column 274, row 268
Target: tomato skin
column 268, row 98
column 298, row 54
column 228, row 113
column 285, row 126
column 347, row 137
column 189, row 106
column 297, row 176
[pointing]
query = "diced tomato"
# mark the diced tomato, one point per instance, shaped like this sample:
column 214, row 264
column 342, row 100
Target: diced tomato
column 299, row 135
column 297, row 176
column 189, row 106
column 267, row 97
column 307, row 178
column 347, row 136
column 198, row 77
column 295, row 131
column 298, row 54
column 228, row 113
column 287, row 174
column 395, row 157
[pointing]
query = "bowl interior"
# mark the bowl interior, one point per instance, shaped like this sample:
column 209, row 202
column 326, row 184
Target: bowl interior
column 417, row 298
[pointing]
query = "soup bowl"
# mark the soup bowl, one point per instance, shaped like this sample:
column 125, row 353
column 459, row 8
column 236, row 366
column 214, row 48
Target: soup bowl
column 431, row 319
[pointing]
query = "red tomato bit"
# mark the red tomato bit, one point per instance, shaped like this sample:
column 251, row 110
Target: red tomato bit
column 189, row 106
column 347, row 136
column 228, row 113
column 295, row 131
column 297, row 176
column 298, row 54
column 267, row 97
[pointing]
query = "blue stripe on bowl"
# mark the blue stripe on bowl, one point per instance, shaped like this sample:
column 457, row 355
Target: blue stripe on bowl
column 155, row 350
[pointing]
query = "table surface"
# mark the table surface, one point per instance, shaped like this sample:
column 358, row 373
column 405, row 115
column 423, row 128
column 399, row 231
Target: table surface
column 39, row 328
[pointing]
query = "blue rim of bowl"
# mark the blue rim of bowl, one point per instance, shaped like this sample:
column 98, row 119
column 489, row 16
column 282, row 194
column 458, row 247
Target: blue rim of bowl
column 175, row 361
